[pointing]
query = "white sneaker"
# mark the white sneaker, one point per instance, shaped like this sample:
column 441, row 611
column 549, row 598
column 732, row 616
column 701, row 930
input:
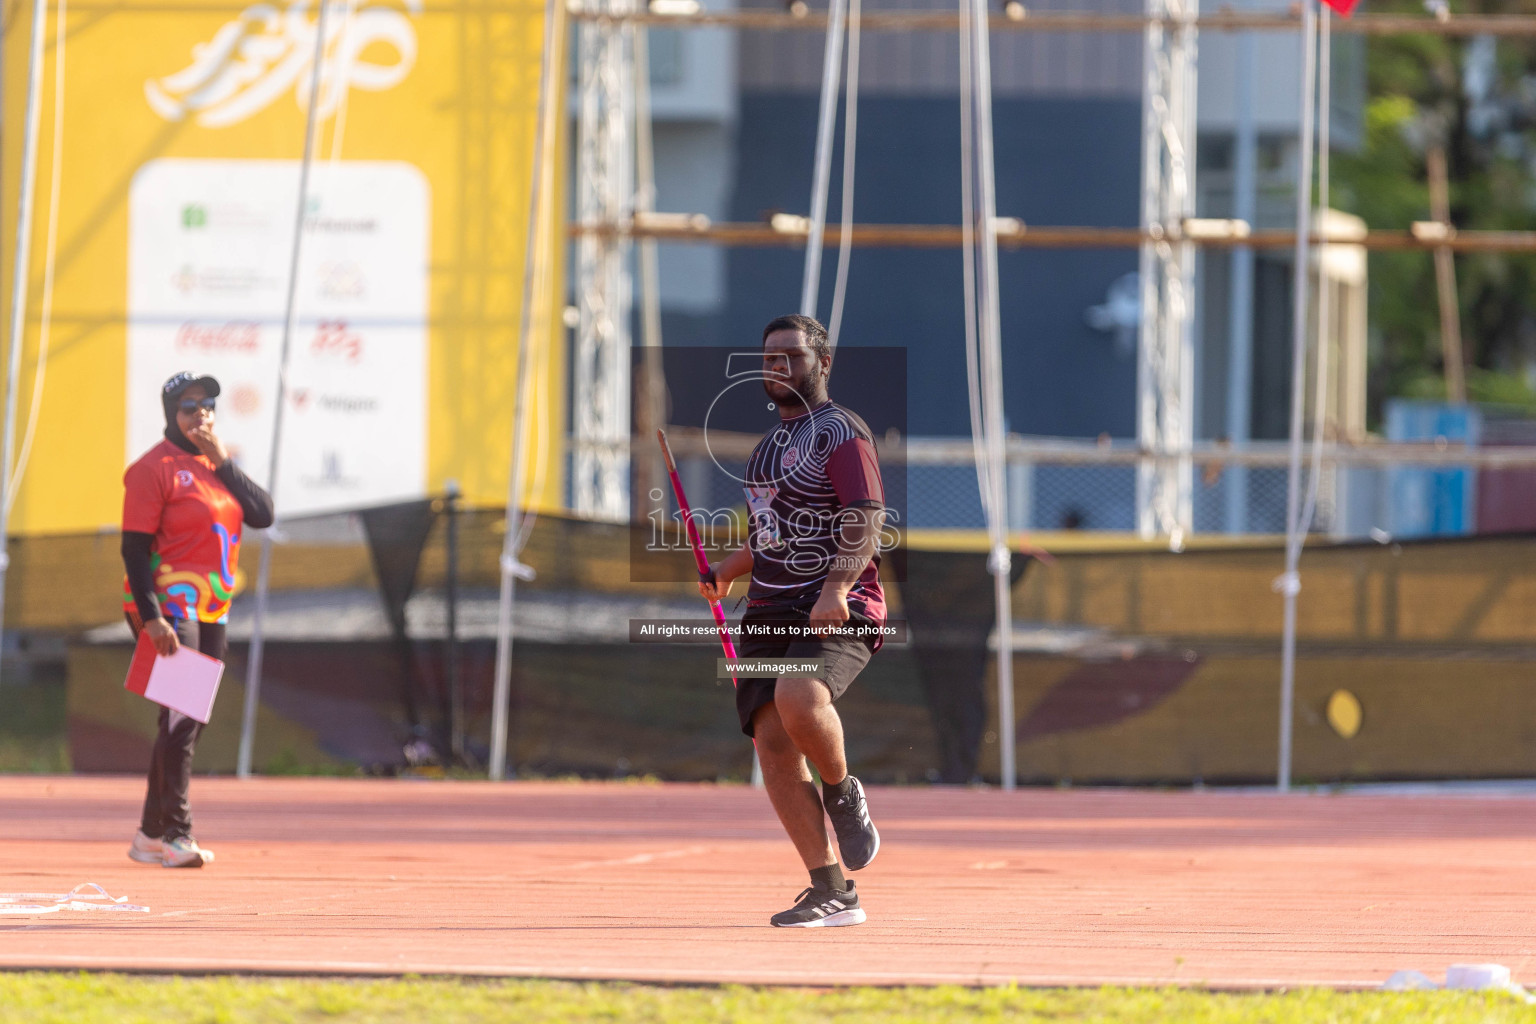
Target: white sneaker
column 145, row 850
column 183, row 852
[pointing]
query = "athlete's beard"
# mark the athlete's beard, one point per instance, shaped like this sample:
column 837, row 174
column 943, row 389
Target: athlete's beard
column 811, row 386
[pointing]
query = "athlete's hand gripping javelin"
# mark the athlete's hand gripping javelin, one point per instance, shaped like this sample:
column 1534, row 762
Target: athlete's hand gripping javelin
column 698, row 547
column 717, row 585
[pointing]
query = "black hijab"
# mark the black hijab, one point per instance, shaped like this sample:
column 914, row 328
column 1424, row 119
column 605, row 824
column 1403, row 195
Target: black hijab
column 173, row 432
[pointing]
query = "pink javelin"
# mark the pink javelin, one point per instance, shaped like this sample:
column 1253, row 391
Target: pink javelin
column 698, row 546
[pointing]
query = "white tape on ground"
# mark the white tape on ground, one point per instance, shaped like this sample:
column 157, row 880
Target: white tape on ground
column 87, row 896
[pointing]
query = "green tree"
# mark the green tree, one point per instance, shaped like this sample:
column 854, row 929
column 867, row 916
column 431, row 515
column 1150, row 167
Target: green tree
column 1477, row 98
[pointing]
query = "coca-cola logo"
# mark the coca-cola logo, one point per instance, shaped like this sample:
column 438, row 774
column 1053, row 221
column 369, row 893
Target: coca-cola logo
column 238, row 336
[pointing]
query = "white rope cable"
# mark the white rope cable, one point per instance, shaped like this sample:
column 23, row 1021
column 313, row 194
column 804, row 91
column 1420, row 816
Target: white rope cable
column 987, row 312
column 822, row 174
column 537, row 401
column 1289, row 583
column 850, row 146
column 534, row 273
column 50, row 261
column 984, row 349
column 1320, row 394
column 968, row 259
column 538, row 409
column 257, row 650
column 18, row 319
column 341, row 75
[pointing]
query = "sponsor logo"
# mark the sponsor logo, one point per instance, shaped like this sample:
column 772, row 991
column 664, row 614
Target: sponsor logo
column 342, row 281
column 235, row 336
column 245, row 399
column 183, row 478
column 266, row 53
column 348, row 404
column 331, row 475
column 333, row 340
column 345, row 405
column 331, row 225
column 221, row 281
column 232, row 215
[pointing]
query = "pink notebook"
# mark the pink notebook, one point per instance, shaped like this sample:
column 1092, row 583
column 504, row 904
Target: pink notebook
column 187, row 681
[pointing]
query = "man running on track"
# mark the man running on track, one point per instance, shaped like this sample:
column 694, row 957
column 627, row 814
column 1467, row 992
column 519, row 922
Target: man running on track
column 814, row 490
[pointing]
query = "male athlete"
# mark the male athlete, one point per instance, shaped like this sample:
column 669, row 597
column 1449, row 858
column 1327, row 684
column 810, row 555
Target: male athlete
column 816, row 500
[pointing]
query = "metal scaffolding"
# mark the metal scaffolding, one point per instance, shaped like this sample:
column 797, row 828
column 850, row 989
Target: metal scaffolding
column 1168, row 236
column 1165, row 365
column 605, row 193
column 604, row 282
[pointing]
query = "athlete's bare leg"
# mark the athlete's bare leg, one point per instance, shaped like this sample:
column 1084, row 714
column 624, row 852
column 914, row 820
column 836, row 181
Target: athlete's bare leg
column 790, row 789
column 805, row 707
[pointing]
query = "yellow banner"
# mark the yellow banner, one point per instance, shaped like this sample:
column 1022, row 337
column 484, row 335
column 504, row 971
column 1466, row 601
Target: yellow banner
column 177, row 186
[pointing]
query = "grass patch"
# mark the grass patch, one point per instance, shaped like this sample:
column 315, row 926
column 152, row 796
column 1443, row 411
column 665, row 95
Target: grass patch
column 32, row 728
column 58, row 998
column 286, row 762
column 33, row 755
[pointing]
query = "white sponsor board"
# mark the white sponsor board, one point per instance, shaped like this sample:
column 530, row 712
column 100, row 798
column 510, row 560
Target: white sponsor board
column 209, row 244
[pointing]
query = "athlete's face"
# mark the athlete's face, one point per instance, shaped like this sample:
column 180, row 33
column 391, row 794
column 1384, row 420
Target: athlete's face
column 194, row 409
column 792, row 372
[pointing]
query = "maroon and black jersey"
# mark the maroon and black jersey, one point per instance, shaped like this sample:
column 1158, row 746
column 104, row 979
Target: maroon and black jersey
column 799, row 478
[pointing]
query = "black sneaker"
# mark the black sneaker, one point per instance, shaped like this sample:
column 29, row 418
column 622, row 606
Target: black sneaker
column 857, row 838
column 822, row 908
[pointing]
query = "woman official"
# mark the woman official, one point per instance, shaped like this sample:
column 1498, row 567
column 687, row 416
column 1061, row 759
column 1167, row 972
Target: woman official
column 185, row 506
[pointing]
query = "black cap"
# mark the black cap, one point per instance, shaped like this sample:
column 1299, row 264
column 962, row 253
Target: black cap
column 185, row 379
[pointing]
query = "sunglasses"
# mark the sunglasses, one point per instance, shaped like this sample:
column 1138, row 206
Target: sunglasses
column 191, row 405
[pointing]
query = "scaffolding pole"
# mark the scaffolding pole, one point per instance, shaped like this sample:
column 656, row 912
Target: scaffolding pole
column 1165, row 363
column 1240, row 313
column 1423, row 236
column 1279, row 19
column 604, row 282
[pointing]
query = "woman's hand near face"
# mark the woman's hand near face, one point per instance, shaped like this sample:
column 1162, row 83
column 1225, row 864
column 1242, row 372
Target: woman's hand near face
column 209, row 444
column 163, row 636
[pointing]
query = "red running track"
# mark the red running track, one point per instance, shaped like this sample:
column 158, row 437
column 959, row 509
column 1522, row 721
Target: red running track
column 675, row 883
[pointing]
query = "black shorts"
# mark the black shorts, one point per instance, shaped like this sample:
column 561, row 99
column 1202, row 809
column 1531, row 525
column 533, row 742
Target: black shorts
column 841, row 660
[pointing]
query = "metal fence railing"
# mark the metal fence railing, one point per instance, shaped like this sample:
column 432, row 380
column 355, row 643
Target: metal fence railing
column 1365, row 490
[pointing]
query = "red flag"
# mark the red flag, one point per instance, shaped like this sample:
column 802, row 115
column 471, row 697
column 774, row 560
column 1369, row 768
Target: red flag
column 1344, row 7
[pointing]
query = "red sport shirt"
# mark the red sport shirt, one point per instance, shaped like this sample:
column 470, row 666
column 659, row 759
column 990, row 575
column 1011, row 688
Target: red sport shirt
column 808, row 470
column 196, row 523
